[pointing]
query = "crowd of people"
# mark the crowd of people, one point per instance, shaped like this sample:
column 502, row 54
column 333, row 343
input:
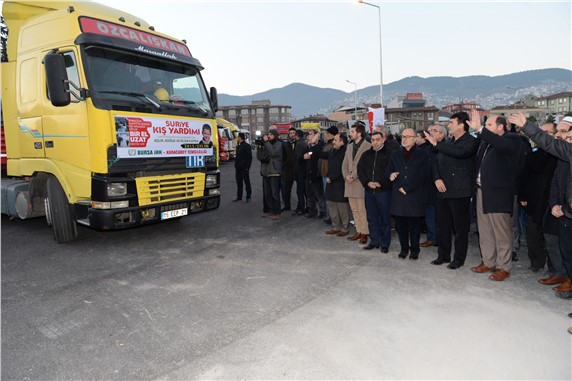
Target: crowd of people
column 435, row 179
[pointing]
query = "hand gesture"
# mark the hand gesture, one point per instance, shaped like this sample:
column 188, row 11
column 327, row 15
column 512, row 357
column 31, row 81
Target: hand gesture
column 517, row 119
column 430, row 138
column 403, row 191
column 393, row 176
column 475, row 122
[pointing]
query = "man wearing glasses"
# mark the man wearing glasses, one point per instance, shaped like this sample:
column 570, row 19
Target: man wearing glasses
column 453, row 174
column 408, row 169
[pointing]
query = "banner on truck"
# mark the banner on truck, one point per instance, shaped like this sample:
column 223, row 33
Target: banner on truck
column 140, row 137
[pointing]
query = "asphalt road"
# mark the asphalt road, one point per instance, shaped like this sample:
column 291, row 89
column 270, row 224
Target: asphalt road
column 231, row 295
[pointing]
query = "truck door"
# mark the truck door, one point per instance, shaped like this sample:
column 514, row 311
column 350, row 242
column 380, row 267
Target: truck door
column 65, row 129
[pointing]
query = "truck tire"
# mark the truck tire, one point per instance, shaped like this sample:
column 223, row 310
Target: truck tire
column 59, row 213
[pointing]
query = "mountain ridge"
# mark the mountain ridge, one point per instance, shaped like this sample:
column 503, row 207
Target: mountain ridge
column 489, row 91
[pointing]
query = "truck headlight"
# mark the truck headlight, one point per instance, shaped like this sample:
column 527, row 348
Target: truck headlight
column 211, row 180
column 116, row 189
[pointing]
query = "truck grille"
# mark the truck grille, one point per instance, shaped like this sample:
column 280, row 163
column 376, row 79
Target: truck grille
column 160, row 189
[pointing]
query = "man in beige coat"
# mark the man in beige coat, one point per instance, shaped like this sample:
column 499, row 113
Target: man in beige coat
column 354, row 190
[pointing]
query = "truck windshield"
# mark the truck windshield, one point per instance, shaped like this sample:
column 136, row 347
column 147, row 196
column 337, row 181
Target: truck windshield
column 121, row 80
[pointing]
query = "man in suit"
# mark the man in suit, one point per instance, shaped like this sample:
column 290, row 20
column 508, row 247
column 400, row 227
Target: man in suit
column 454, row 177
column 354, row 190
column 497, row 164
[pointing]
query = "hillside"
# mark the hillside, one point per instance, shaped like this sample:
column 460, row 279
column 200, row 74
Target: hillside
column 439, row 91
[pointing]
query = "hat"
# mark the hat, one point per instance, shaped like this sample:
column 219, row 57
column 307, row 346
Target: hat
column 332, row 130
column 567, row 119
column 275, row 133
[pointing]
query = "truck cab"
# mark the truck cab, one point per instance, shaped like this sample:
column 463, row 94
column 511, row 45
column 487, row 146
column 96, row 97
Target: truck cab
column 105, row 120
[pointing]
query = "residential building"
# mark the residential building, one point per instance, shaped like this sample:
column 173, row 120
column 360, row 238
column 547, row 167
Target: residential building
column 463, row 106
column 418, row 118
column 257, row 116
column 556, row 104
column 409, row 100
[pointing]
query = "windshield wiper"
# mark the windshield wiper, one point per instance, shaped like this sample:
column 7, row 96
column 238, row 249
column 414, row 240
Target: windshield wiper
column 133, row 94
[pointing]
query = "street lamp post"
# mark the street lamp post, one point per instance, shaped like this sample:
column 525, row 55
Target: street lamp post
column 380, row 51
column 355, row 97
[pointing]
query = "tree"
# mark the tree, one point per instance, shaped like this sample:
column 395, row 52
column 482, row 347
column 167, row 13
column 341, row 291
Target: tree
column 532, row 119
column 550, row 119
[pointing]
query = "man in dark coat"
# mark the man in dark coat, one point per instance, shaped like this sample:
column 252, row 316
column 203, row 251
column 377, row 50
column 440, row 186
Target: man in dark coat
column 562, row 208
column 408, row 170
column 300, row 148
column 454, row 178
column 288, row 168
column 372, row 175
column 314, row 186
column 431, row 192
column 533, row 194
column 338, row 205
column 497, row 167
column 242, row 165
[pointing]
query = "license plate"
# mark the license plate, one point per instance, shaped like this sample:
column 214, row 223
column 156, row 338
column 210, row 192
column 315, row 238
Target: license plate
column 174, row 213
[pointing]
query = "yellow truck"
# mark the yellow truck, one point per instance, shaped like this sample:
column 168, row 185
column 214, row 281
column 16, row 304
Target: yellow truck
column 107, row 122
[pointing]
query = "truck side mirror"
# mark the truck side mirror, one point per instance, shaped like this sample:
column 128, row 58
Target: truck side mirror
column 214, row 99
column 56, row 78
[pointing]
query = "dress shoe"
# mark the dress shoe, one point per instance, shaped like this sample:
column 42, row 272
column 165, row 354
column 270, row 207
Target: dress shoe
column 427, row 244
column 342, row 234
column 354, row 237
column 514, row 256
column 440, row 261
column 328, row 221
column 285, row 209
column 414, row 256
column 535, row 269
column 499, row 275
column 482, row 268
column 363, row 239
column 297, row 213
column 370, row 247
column 237, row 199
column 552, row 280
column 403, row 254
column 310, row 215
column 566, row 286
column 384, row 250
column 332, row 232
column 247, row 199
column 454, row 265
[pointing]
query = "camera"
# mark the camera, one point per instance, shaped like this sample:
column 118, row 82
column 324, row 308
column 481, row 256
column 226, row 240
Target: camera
column 259, row 142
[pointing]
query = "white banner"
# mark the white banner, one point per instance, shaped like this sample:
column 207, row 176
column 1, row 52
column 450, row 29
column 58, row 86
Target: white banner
column 162, row 137
column 376, row 117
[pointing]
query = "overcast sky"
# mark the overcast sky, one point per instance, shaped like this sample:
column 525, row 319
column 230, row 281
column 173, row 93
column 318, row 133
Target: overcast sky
column 252, row 46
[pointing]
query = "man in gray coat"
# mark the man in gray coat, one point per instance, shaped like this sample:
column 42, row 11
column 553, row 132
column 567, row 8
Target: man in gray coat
column 271, row 173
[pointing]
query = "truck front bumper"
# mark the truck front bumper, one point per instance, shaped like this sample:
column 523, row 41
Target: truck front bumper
column 123, row 218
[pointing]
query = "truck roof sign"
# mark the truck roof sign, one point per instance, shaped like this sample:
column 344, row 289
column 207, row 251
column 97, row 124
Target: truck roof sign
column 104, row 28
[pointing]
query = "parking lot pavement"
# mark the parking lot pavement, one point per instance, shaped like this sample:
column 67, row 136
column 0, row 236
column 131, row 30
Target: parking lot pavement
column 231, row 295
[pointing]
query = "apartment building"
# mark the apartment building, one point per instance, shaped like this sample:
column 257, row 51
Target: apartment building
column 257, row 116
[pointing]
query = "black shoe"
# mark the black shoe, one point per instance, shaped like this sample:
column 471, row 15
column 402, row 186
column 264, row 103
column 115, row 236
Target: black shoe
column 440, row 261
column 237, row 199
column 414, row 256
column 285, row 209
column 310, row 215
column 454, row 265
column 570, row 315
column 384, row 250
column 535, row 269
column 370, row 247
column 564, row 294
column 328, row 221
column 514, row 256
column 248, row 199
column 403, row 254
